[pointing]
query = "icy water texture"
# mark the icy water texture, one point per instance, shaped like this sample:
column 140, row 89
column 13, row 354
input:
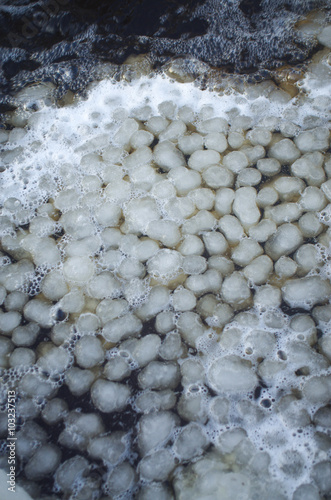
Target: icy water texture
column 165, row 284
column 62, row 40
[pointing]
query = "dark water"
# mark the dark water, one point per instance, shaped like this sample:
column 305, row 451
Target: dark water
column 63, row 40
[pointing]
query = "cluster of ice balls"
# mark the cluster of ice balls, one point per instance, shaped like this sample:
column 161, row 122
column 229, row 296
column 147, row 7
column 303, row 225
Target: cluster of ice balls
column 156, row 276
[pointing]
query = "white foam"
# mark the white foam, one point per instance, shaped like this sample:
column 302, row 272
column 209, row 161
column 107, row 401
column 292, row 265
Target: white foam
column 60, row 137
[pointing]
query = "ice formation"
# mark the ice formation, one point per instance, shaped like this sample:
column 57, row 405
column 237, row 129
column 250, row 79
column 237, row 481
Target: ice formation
column 165, row 287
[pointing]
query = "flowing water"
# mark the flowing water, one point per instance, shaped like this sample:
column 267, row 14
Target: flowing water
column 165, row 249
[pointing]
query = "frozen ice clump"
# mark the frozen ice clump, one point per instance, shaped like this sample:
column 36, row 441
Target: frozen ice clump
column 216, row 124
column 165, row 264
column 324, row 36
column 191, row 442
column 79, row 428
column 203, row 198
column 306, row 492
column 231, row 374
column 172, row 347
column 215, row 243
column 120, row 480
column 269, row 166
column 165, row 231
column 318, row 389
column 231, row 227
column 3, row 294
column 157, row 466
column 182, row 208
column 79, row 381
column 87, row 323
column 188, row 144
column 116, row 369
column 70, row 473
column 216, row 177
column 184, row 180
column 131, row 268
column 263, row 230
column 191, row 245
column 156, row 124
column 245, row 208
column 39, row 312
column 141, row 138
column 235, row 161
column 309, row 167
column 285, row 267
column 43, row 250
column 259, row 136
column 128, row 127
column 267, row 196
column 246, row 251
column 54, row 360
column 104, row 285
column 142, row 351
column 202, row 221
column 67, row 199
column 149, row 401
column 216, row 141
column 157, row 301
column 77, row 223
column 165, row 322
column 194, row 264
column 285, row 212
column 223, row 200
column 313, row 199
column 286, row 239
column 321, row 474
column 108, row 214
column 54, row 286
column 9, row 321
column 142, row 156
column 139, row 213
column 258, row 270
column 306, row 292
column 326, row 188
column 25, row 335
column 284, row 151
column 159, row 375
column 108, row 448
column 43, row 463
column 167, row 156
column 200, row 284
column 22, row 356
column 78, row 269
column 190, row 327
column 121, row 328
column 155, row 430
column 267, row 296
column 249, row 177
column 183, row 300
column 89, row 352
column 208, row 476
column 14, row 276
column 235, row 290
column 200, row 160
column 313, row 140
column 289, row 188
column 109, row 396
column 55, row 411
